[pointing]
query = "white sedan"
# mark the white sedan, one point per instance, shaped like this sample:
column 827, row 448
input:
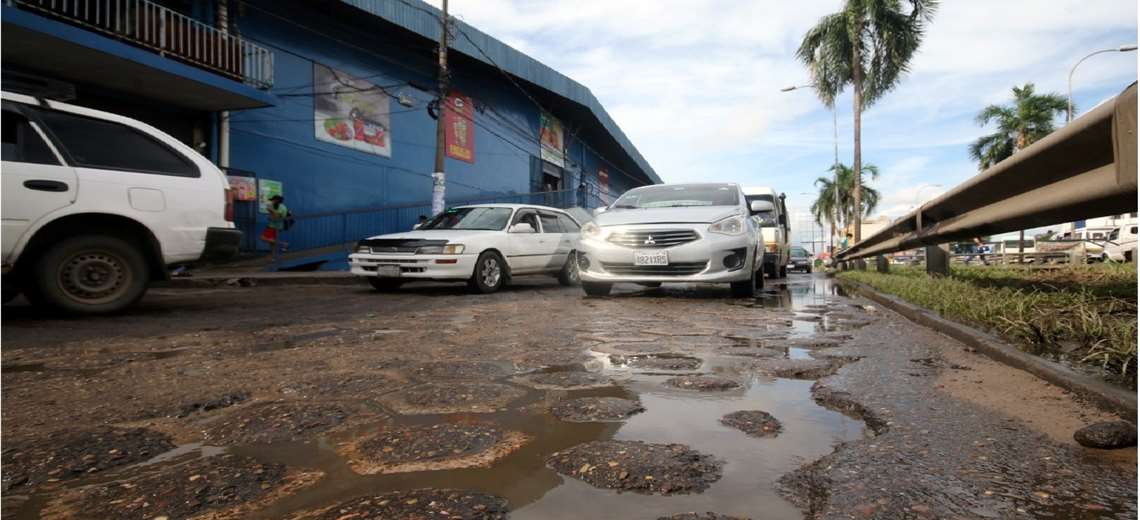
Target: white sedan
column 485, row 245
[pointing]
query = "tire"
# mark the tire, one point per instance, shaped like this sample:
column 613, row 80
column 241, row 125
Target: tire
column 90, row 274
column 384, row 284
column 769, row 270
column 748, row 288
column 490, row 273
column 568, row 276
column 597, row 288
column 10, row 291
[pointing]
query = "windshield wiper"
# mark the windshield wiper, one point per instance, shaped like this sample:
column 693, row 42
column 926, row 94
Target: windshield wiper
column 624, row 206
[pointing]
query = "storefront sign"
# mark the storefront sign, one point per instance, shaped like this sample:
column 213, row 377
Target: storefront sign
column 350, row 112
column 604, row 185
column 459, row 125
column 550, row 142
column 266, row 190
column 243, row 188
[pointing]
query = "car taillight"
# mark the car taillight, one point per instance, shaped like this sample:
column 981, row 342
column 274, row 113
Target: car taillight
column 229, row 205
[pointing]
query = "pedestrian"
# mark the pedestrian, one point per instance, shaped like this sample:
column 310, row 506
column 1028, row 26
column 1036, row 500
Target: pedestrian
column 279, row 216
column 980, row 247
column 846, row 241
column 582, row 192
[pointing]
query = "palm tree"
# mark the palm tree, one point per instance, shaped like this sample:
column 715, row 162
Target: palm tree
column 867, row 45
column 1021, row 124
column 824, row 207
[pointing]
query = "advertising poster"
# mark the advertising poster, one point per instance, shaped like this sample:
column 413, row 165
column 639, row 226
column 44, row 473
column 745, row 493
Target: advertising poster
column 350, row 112
column 550, row 139
column 267, row 189
column 243, row 188
column 459, row 125
column 604, row 185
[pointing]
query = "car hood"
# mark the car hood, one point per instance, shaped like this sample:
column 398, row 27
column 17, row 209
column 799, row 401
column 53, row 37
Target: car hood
column 703, row 214
column 450, row 235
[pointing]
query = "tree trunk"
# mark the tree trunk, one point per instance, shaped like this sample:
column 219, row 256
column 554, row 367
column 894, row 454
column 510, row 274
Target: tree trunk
column 857, row 88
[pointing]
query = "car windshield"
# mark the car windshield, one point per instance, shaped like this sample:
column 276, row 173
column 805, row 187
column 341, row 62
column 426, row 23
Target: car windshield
column 799, row 252
column 491, row 219
column 679, row 196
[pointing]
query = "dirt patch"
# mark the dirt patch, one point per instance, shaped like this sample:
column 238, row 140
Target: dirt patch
column 797, row 368
column 273, row 422
column 701, row 516
column 416, row 505
column 223, row 401
column 669, row 361
column 342, row 385
column 753, row 422
column 226, row 486
column 437, row 398
column 663, row 469
column 565, row 380
column 596, row 409
column 71, row 454
column 461, row 370
column 703, row 383
column 427, row 448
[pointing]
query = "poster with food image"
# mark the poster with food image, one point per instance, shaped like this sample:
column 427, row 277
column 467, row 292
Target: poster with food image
column 459, row 126
column 243, row 188
column 550, row 139
column 350, row 112
column 267, row 189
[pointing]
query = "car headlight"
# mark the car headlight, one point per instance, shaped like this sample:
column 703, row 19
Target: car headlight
column 361, row 248
column 449, row 249
column 733, row 225
column 591, row 230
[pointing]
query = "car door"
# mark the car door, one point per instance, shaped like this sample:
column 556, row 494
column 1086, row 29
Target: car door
column 35, row 181
column 570, row 233
column 525, row 252
column 552, row 241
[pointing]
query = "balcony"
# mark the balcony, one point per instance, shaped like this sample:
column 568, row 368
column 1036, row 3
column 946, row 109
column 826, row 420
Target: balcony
column 168, row 33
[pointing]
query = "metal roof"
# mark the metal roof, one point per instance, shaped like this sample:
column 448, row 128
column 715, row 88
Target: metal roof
column 423, row 19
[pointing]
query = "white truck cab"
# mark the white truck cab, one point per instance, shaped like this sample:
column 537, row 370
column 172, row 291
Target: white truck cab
column 775, row 228
column 96, row 206
column 1121, row 244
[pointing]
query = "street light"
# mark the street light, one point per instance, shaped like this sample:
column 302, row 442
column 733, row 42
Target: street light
column 835, row 137
column 1122, row 48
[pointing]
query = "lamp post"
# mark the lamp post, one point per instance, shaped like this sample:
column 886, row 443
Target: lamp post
column 835, row 137
column 1122, row 48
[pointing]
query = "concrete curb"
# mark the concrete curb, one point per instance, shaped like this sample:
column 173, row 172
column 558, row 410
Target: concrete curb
column 238, row 280
column 1108, row 397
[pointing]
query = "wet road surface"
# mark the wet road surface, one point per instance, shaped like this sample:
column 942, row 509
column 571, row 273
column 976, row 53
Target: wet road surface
column 322, row 395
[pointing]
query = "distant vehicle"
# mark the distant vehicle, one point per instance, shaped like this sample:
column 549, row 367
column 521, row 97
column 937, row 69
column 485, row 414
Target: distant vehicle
column 775, row 228
column 96, row 206
column 701, row 233
column 485, row 245
column 1121, row 245
column 799, row 259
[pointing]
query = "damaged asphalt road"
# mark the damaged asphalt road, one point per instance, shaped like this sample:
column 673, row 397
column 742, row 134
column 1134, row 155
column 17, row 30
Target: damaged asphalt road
column 326, row 401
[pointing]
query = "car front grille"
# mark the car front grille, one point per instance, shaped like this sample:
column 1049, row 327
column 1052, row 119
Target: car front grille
column 673, row 269
column 653, row 239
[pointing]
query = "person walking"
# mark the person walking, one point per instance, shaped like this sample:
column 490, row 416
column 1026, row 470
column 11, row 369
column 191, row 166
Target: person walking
column 582, row 194
column 278, row 216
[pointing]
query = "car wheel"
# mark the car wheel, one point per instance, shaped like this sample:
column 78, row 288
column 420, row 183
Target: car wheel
column 10, row 290
column 597, row 288
column 90, row 274
column 490, row 273
column 748, row 288
column 384, row 284
column 568, row 276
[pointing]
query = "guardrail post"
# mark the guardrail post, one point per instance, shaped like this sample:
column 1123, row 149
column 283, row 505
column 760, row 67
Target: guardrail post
column 860, row 265
column 881, row 264
column 938, row 260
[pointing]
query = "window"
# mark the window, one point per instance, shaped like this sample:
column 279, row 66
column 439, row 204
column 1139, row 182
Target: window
column 678, row 196
column 488, row 219
column 1132, row 230
column 550, row 223
column 94, row 143
column 527, row 216
column 1114, row 234
column 22, row 143
column 568, row 224
column 1097, row 236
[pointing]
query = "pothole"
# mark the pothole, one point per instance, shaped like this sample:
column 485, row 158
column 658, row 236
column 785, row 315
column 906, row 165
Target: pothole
column 797, row 368
column 416, row 504
column 71, row 454
column 222, row 401
column 427, row 448
column 565, row 380
column 228, row 486
column 342, row 385
column 462, row 369
column 661, row 469
column 703, row 383
column 273, row 422
column 440, row 398
column 596, row 409
column 753, row 422
column 664, row 361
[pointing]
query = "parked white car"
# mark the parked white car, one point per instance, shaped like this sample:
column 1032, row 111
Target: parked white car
column 485, row 245
column 691, row 233
column 774, row 225
column 1121, row 246
column 96, row 206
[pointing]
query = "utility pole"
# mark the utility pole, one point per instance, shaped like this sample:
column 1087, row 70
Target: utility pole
column 438, row 178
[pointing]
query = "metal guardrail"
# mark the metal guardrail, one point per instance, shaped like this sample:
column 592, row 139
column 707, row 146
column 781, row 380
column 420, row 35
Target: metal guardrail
column 171, row 34
column 1085, row 169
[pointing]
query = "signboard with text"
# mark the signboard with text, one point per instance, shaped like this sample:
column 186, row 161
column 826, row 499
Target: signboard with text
column 459, row 127
column 604, row 185
column 550, row 142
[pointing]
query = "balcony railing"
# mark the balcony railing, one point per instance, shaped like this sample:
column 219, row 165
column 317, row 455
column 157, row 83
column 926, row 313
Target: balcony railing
column 169, row 33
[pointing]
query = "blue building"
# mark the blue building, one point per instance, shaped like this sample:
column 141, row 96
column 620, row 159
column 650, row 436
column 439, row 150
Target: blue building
column 334, row 103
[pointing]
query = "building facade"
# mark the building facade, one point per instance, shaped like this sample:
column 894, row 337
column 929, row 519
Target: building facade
column 332, row 104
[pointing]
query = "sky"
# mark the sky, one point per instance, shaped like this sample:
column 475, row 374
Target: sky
column 695, row 84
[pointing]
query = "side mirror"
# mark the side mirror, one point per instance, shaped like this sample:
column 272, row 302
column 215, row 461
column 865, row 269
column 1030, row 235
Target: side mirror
column 760, row 206
column 417, row 226
column 522, row 227
column 783, row 220
column 599, row 210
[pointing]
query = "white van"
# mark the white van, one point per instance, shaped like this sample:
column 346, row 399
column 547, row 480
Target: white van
column 96, row 206
column 775, row 229
column 1121, row 245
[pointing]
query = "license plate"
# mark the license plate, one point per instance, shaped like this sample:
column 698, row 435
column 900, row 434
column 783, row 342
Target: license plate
column 388, row 270
column 651, row 258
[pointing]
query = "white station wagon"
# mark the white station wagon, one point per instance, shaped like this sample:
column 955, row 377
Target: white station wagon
column 485, row 245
